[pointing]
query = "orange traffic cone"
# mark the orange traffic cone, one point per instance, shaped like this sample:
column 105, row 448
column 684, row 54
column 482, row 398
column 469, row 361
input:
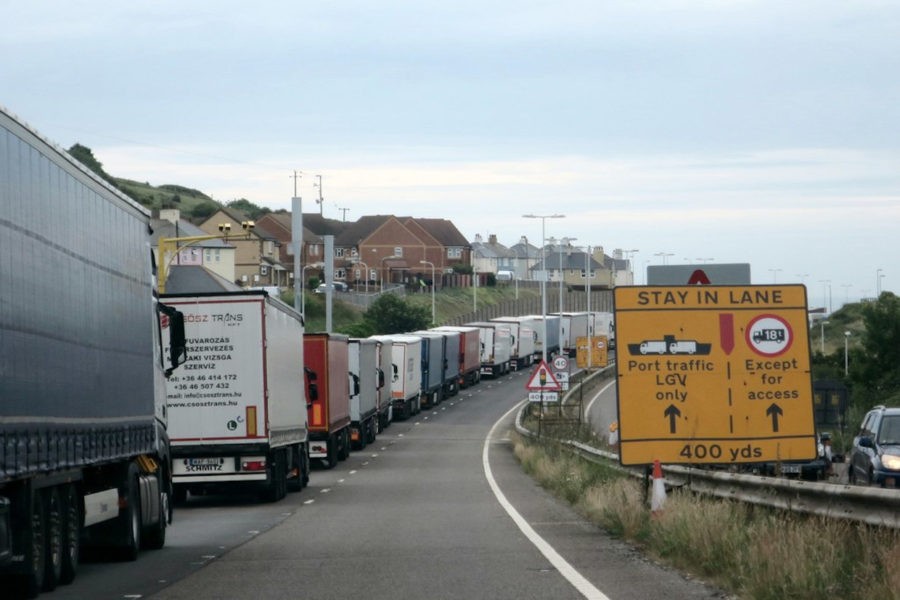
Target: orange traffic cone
column 658, row 495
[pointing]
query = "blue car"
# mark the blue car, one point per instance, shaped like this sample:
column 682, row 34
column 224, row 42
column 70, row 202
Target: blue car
column 875, row 456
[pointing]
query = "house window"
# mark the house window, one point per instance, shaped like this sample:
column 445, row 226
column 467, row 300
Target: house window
column 454, row 252
column 268, row 248
column 398, row 250
column 339, row 252
column 313, row 249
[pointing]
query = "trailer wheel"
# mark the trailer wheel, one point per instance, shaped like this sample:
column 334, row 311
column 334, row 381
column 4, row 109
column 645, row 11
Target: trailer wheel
column 131, row 517
column 304, row 462
column 373, row 429
column 344, row 450
column 54, row 539
column 331, row 460
column 277, row 488
column 71, row 555
column 36, row 553
column 155, row 535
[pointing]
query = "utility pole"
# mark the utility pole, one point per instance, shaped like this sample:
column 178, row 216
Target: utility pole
column 344, row 212
column 320, row 201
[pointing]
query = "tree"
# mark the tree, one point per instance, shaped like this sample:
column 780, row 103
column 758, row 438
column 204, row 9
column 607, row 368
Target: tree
column 878, row 369
column 85, row 156
column 392, row 314
column 248, row 208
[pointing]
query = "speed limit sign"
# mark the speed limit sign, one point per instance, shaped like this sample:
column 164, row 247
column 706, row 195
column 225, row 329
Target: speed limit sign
column 560, row 363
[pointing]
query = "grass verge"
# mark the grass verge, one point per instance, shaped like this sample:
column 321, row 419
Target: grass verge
column 748, row 551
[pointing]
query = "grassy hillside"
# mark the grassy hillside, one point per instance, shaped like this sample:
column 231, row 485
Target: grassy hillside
column 193, row 204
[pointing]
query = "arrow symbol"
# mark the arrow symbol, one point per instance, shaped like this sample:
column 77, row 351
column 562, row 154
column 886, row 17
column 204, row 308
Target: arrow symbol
column 726, row 332
column 774, row 411
column 673, row 413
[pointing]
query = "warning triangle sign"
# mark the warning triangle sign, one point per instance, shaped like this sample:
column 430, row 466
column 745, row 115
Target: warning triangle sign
column 698, row 277
column 542, row 380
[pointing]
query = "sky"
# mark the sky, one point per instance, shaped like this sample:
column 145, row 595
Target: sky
column 760, row 132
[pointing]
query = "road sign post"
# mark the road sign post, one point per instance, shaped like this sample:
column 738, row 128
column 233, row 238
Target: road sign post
column 713, row 374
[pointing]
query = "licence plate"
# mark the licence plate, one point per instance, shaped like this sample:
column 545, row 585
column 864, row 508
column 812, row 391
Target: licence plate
column 790, row 468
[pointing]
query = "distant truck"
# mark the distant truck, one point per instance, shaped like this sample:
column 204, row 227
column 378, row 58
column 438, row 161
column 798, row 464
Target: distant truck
column 574, row 326
column 522, row 340
column 604, row 325
column 433, row 347
column 327, row 367
column 406, row 381
column 85, row 458
column 450, row 341
column 548, row 324
column 366, row 382
column 237, row 415
column 469, row 353
column 385, row 368
column 496, row 347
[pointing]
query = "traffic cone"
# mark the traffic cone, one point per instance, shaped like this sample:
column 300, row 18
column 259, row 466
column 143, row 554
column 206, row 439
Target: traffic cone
column 658, row 494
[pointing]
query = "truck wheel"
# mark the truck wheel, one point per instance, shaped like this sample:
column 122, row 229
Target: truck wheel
column 54, row 539
column 155, row 535
column 331, row 460
column 304, row 462
column 130, row 518
column 373, row 429
column 71, row 554
column 277, row 488
column 36, row 554
column 344, row 451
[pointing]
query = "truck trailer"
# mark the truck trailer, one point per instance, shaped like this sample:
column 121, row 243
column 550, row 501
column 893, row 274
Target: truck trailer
column 469, row 353
column 327, row 365
column 385, row 374
column 452, row 341
column 366, row 381
column 237, row 413
column 85, row 458
column 496, row 347
column 406, row 378
column 434, row 347
column 522, row 341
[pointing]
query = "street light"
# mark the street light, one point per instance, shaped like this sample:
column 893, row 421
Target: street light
column 384, row 258
column 359, row 262
column 846, row 363
column 303, row 290
column 878, row 277
column 774, row 273
column 543, row 219
column 846, row 287
column 425, row 262
column 629, row 255
column 822, row 325
column 826, row 290
column 664, row 255
column 704, row 260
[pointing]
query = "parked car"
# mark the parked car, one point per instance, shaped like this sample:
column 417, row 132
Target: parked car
column 817, row 469
column 338, row 286
column 875, row 455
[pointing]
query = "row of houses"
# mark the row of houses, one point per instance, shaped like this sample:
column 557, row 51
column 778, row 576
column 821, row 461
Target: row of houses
column 377, row 249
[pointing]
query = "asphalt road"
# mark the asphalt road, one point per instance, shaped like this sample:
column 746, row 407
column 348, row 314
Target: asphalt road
column 438, row 507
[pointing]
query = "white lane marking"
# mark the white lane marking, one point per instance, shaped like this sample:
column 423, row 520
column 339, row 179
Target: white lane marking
column 597, row 396
column 310, row 501
column 578, row 581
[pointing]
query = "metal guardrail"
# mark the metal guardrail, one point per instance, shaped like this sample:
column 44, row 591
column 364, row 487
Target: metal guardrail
column 875, row 506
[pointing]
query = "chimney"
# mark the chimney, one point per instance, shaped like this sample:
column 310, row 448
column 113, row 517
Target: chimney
column 492, row 238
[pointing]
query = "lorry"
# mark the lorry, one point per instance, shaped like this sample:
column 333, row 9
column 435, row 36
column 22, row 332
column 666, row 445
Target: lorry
column 548, row 326
column 327, row 366
column 85, row 458
column 237, row 412
column 365, row 385
column 449, row 367
column 523, row 340
column 434, row 348
column 406, row 379
column 604, row 325
column 469, row 353
column 496, row 347
column 385, row 370
column 573, row 325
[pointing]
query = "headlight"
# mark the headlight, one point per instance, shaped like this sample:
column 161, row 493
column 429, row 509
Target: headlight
column 891, row 461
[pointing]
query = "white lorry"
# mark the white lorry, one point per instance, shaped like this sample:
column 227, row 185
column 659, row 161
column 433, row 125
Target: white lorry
column 84, row 458
column 385, row 368
column 496, row 347
column 573, row 326
column 237, row 410
column 523, row 341
column 604, row 325
column 406, row 379
column 365, row 385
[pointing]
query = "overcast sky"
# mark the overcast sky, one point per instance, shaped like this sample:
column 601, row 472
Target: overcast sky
column 745, row 132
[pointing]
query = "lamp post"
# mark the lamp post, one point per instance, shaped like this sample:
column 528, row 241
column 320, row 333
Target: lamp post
column 543, row 219
column 826, row 290
column 359, row 262
column 629, row 261
column 704, row 260
column 822, row 325
column 878, row 277
column 431, row 264
column 303, row 290
column 664, row 255
column 774, row 273
column 846, row 361
column 846, row 287
column 384, row 258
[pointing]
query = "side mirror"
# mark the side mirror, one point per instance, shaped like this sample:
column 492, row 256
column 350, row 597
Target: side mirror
column 177, row 338
column 866, row 442
column 380, row 379
column 355, row 386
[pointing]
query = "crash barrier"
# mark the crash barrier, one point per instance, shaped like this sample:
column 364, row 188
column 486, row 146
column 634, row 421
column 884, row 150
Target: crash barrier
column 875, row 506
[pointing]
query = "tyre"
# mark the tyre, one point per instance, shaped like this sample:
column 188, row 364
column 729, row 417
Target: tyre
column 331, row 460
column 372, row 429
column 130, row 517
column 344, row 448
column 277, row 488
column 36, row 552
column 295, row 482
column 154, row 536
column 71, row 552
column 54, row 538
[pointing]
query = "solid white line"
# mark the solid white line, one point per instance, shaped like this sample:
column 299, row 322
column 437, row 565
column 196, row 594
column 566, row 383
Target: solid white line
column 578, row 581
column 597, row 395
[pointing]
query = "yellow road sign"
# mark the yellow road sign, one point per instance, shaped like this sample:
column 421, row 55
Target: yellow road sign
column 599, row 351
column 713, row 374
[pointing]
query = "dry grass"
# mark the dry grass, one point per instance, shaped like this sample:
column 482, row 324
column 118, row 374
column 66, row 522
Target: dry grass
column 749, row 551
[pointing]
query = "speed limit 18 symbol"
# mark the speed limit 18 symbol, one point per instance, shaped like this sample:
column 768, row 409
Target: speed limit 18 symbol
column 769, row 335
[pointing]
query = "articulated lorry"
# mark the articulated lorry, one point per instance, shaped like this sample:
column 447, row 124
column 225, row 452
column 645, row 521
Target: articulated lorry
column 452, row 341
column 406, row 378
column 85, row 457
column 496, row 347
column 469, row 353
column 433, row 367
column 522, row 340
column 237, row 413
column 573, row 326
column 386, row 371
column 366, row 381
column 327, row 366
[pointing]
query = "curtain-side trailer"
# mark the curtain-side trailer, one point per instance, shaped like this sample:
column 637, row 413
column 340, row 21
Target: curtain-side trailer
column 406, row 380
column 327, row 364
column 85, row 457
column 385, row 372
column 496, row 347
column 365, row 382
column 237, row 413
column 522, row 340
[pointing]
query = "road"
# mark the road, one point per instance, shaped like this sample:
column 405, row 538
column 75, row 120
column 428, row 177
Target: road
column 438, row 507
